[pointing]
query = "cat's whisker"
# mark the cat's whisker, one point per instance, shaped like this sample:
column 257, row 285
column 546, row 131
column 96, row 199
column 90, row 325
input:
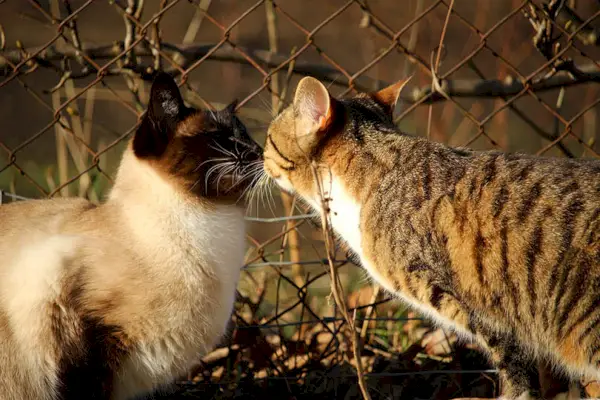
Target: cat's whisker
column 255, row 172
column 220, row 159
column 256, row 189
column 251, row 189
column 227, row 168
column 266, row 106
column 212, row 114
column 267, row 194
column 223, row 150
column 215, row 168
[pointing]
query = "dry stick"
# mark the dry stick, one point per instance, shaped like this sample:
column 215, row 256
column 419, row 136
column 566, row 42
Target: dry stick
column 139, row 83
column 61, row 149
column 155, row 40
column 589, row 122
column 293, row 238
column 413, row 38
column 75, row 148
column 50, row 179
column 194, row 26
column 90, row 101
column 134, row 9
column 369, row 312
column 336, row 286
column 78, row 151
column 132, row 6
column 272, row 35
column 435, row 67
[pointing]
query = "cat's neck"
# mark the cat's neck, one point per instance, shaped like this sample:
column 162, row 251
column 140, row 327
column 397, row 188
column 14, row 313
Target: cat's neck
column 162, row 221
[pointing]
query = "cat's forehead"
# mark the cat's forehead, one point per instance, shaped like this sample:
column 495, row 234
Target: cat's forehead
column 282, row 120
column 200, row 121
column 194, row 123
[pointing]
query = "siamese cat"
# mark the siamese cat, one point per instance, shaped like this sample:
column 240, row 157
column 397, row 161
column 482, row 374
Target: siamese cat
column 115, row 301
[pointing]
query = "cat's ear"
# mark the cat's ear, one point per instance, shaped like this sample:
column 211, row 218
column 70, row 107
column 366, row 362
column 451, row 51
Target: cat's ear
column 313, row 106
column 158, row 126
column 388, row 96
column 230, row 108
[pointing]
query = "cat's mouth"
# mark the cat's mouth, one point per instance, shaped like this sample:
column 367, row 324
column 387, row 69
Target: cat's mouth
column 235, row 166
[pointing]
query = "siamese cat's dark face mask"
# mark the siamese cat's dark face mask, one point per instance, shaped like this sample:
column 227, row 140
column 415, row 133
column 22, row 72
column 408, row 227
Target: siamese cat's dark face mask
column 208, row 153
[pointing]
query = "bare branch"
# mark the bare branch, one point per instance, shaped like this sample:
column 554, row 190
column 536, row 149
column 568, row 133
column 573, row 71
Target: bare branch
column 489, row 88
column 572, row 23
column 132, row 7
column 508, row 87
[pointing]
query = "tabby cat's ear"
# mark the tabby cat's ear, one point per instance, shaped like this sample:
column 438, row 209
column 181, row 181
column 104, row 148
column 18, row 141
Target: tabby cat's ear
column 158, row 126
column 388, row 96
column 313, row 106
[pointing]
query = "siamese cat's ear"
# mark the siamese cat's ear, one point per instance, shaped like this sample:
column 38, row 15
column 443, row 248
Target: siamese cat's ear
column 313, row 106
column 158, row 126
column 388, row 96
column 230, row 108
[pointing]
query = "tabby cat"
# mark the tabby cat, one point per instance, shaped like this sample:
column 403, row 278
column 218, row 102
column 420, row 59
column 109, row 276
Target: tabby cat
column 502, row 248
column 117, row 300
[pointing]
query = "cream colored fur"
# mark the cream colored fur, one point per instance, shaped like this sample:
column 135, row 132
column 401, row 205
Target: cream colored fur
column 167, row 263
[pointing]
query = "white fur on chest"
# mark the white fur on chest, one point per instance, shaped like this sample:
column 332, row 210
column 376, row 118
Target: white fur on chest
column 215, row 237
column 194, row 253
column 345, row 220
column 202, row 252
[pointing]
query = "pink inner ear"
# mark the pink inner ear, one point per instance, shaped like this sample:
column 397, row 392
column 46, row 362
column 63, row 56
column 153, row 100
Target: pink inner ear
column 314, row 104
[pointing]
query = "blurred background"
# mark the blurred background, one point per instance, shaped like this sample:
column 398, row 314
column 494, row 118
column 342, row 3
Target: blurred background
column 505, row 74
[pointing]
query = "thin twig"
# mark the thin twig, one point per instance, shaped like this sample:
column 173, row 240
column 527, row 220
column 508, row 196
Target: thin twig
column 336, row 286
column 436, row 66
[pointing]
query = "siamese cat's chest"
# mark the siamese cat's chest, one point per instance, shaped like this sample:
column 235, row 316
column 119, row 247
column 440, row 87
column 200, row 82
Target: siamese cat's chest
column 216, row 237
column 191, row 239
column 204, row 253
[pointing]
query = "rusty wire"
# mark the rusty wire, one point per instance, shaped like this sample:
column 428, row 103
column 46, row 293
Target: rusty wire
column 556, row 56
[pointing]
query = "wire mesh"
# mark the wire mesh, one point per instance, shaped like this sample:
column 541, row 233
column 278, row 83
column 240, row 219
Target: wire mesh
column 510, row 75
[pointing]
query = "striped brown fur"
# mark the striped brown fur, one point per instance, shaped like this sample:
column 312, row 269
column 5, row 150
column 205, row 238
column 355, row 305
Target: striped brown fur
column 503, row 248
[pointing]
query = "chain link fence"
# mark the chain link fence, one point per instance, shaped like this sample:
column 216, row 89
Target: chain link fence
column 510, row 75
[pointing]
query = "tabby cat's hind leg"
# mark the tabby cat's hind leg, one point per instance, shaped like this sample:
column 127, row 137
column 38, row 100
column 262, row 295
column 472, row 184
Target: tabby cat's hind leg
column 518, row 373
column 524, row 379
column 557, row 386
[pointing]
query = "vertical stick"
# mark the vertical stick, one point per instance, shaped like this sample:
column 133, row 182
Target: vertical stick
column 293, row 238
column 336, row 285
column 61, row 145
column 435, row 66
column 194, row 26
column 61, row 148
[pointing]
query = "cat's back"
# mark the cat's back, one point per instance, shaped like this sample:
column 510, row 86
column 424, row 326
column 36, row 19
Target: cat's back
column 38, row 245
column 42, row 216
column 37, row 252
column 527, row 191
column 537, row 206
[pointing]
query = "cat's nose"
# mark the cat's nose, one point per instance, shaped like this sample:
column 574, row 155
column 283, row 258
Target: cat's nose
column 256, row 148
